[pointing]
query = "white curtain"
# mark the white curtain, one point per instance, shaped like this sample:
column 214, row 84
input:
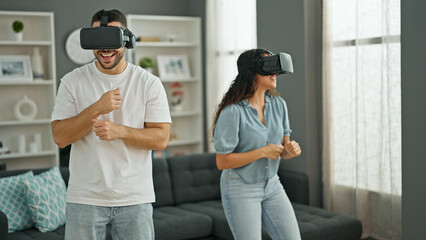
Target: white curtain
column 231, row 29
column 362, row 113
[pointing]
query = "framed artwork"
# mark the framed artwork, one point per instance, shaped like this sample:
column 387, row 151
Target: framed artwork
column 173, row 67
column 15, row 68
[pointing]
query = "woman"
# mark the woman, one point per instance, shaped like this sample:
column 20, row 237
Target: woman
column 251, row 133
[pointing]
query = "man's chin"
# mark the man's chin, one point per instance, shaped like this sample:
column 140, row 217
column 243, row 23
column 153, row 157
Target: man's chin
column 109, row 65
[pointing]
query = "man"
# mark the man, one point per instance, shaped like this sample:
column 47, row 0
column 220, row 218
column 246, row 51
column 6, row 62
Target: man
column 113, row 113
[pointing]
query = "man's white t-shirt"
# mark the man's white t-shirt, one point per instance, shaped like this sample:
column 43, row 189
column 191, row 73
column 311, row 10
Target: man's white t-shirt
column 111, row 173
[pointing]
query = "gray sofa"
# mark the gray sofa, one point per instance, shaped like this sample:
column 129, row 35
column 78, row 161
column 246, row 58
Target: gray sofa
column 188, row 205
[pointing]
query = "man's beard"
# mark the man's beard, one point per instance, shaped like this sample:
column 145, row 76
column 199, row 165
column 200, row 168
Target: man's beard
column 118, row 57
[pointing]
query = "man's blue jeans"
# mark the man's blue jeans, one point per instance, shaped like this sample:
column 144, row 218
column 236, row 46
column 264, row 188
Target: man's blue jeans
column 248, row 206
column 127, row 222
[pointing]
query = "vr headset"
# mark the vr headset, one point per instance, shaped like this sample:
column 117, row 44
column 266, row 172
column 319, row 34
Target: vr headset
column 279, row 63
column 106, row 37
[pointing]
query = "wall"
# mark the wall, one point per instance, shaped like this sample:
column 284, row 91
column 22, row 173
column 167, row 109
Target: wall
column 295, row 27
column 413, row 86
column 70, row 15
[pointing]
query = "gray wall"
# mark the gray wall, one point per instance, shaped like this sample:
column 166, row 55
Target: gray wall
column 413, row 60
column 295, row 27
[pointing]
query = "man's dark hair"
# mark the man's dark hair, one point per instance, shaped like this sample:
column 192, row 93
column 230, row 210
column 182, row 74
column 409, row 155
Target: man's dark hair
column 114, row 16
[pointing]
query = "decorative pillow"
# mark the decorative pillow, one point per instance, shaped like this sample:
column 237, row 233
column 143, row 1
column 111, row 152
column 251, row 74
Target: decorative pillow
column 46, row 199
column 13, row 202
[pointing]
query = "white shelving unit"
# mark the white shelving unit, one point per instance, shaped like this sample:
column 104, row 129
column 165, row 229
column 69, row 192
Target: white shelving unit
column 187, row 128
column 38, row 32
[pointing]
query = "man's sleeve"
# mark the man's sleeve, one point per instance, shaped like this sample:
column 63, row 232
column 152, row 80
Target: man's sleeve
column 65, row 106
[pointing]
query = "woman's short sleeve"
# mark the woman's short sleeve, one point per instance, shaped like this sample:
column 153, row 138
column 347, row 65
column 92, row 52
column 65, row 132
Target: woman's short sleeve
column 226, row 132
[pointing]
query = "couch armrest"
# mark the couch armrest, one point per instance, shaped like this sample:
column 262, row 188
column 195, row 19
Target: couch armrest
column 296, row 185
column 4, row 233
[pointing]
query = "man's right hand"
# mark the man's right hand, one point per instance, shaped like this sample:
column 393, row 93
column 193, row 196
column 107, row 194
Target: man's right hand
column 109, row 101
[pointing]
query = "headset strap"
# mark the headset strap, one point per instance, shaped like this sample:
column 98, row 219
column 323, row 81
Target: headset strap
column 104, row 18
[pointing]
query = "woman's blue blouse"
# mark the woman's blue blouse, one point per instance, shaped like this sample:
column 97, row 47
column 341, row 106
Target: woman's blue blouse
column 238, row 129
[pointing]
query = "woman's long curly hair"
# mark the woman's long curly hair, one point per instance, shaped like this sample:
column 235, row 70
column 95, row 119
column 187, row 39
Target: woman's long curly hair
column 244, row 85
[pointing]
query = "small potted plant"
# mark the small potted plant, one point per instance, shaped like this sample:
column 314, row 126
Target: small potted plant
column 147, row 63
column 177, row 96
column 18, row 27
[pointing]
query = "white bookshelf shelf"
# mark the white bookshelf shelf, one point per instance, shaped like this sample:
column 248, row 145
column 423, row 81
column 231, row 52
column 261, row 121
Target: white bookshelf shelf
column 28, row 155
column 36, row 82
column 38, row 33
column 185, row 32
column 183, row 142
column 184, row 114
column 167, row 44
column 32, row 122
column 192, row 79
column 26, row 43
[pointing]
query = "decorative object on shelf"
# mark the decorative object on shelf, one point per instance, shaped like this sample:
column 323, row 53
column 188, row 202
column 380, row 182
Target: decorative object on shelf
column 33, row 147
column 37, row 141
column 174, row 37
column 2, row 166
column 147, row 39
column 75, row 52
column 18, row 27
column 37, row 64
column 22, row 141
column 173, row 66
column 25, row 109
column 3, row 150
column 177, row 97
column 171, row 37
column 15, row 68
column 147, row 63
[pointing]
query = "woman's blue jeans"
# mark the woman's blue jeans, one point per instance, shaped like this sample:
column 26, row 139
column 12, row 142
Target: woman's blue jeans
column 86, row 222
column 248, row 206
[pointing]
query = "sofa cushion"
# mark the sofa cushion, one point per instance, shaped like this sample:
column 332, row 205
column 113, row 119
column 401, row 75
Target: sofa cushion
column 64, row 172
column 194, row 177
column 13, row 202
column 46, row 198
column 215, row 210
column 172, row 223
column 162, row 183
column 314, row 223
column 34, row 233
column 295, row 184
column 320, row 224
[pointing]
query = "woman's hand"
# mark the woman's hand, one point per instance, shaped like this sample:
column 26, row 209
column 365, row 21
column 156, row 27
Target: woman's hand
column 273, row 151
column 291, row 150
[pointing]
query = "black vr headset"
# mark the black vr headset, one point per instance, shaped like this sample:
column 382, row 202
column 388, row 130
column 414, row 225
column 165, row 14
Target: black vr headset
column 106, row 37
column 279, row 63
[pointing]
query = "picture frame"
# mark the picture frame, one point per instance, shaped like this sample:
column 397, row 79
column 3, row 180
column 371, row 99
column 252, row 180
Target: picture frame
column 173, row 67
column 15, row 68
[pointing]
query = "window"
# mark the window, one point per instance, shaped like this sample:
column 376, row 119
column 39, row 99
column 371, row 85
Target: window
column 231, row 29
column 362, row 112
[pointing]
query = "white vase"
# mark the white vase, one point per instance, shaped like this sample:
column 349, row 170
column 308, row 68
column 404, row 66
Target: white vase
column 177, row 108
column 37, row 64
column 18, row 36
column 25, row 109
column 148, row 69
column 22, row 148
